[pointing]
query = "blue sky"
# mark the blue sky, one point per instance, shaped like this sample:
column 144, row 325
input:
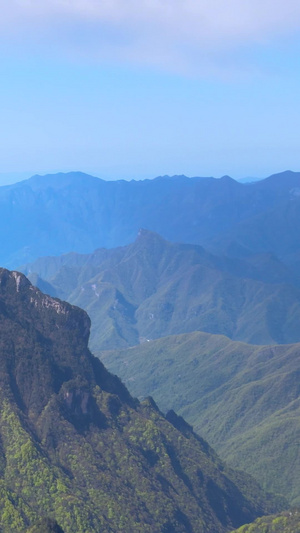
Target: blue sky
column 150, row 87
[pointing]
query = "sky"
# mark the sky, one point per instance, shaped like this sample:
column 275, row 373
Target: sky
column 142, row 88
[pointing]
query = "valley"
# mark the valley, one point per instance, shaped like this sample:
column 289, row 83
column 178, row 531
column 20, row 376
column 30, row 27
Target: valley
column 75, row 445
column 193, row 292
column 153, row 288
column 241, row 398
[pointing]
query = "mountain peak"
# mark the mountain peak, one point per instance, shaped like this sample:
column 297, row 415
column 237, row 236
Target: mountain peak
column 16, row 289
column 71, row 437
column 60, row 180
column 229, row 180
column 283, row 180
column 146, row 234
column 49, row 343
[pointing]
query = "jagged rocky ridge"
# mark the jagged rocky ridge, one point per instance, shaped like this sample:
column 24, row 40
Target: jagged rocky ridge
column 76, row 447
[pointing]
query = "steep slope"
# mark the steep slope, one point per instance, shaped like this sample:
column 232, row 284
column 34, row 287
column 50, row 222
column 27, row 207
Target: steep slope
column 245, row 400
column 154, row 288
column 76, row 447
column 60, row 213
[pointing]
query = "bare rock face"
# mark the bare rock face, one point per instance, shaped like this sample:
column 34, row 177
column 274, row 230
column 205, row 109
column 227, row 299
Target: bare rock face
column 43, row 344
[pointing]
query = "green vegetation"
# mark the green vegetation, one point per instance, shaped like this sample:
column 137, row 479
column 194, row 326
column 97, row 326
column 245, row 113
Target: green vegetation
column 243, row 399
column 76, row 447
column 154, row 288
column 286, row 522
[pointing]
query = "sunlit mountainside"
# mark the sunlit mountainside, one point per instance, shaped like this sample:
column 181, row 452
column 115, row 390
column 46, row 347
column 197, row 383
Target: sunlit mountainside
column 244, row 399
column 77, row 447
column 286, row 522
column 192, row 287
column 154, row 288
column 150, row 267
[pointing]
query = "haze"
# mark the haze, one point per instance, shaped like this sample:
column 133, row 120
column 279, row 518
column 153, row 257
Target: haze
column 155, row 88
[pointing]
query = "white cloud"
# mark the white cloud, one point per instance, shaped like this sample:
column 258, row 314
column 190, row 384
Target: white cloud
column 169, row 33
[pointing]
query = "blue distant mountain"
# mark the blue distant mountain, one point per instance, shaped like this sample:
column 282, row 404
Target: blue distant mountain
column 59, row 213
column 152, row 288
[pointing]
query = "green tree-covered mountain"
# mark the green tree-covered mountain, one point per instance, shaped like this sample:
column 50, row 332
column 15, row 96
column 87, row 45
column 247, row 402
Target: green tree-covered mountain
column 153, row 288
column 77, row 448
column 286, row 522
column 244, row 399
column 60, row 213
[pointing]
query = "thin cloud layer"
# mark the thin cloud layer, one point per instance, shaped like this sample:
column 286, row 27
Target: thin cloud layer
column 167, row 33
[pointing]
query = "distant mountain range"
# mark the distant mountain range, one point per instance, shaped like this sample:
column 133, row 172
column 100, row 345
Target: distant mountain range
column 60, row 213
column 77, row 448
column 243, row 399
column 153, row 288
column 77, row 451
